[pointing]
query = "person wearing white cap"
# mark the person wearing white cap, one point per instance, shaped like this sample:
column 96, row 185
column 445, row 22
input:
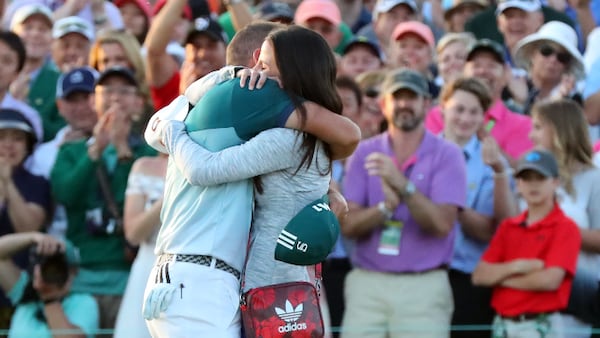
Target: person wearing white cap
column 99, row 13
column 552, row 61
column 387, row 14
column 33, row 24
column 25, row 200
column 73, row 37
column 517, row 19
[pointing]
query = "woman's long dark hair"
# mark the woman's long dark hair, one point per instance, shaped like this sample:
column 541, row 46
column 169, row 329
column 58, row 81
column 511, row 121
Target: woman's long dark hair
column 307, row 70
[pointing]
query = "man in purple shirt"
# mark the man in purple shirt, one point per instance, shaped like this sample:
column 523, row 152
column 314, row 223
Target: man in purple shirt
column 404, row 188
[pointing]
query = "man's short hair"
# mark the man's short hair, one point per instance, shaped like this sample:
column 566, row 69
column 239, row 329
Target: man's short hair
column 245, row 41
column 470, row 85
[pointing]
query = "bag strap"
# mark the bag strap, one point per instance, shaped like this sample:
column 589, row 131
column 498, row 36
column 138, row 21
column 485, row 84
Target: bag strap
column 107, row 192
column 318, row 278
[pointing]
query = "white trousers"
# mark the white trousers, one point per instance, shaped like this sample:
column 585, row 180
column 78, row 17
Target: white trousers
column 205, row 302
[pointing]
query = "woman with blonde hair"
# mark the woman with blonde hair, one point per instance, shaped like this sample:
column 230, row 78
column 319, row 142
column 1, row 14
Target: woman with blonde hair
column 560, row 127
column 451, row 53
column 119, row 48
column 370, row 84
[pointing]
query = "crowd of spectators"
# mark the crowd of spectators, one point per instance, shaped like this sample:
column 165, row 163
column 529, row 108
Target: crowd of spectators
column 79, row 80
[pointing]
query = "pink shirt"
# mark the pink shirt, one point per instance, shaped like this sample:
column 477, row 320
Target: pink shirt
column 511, row 130
column 597, row 147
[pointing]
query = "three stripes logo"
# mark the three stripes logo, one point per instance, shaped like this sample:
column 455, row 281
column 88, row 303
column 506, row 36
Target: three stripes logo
column 290, row 241
column 290, row 315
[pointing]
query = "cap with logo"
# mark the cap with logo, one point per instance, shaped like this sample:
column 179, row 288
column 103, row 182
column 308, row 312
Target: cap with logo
column 489, row 46
column 539, row 161
column 525, row 5
column 81, row 79
column 123, row 72
column 26, row 11
column 73, row 24
column 275, row 11
column 209, row 27
column 309, row 236
column 405, row 79
column 414, row 27
column 384, row 6
column 327, row 10
column 362, row 40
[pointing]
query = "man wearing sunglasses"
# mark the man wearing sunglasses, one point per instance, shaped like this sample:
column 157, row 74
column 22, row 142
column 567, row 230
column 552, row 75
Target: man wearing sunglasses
column 552, row 61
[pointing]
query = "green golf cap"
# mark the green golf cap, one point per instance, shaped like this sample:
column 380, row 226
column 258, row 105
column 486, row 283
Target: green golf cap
column 309, row 236
column 405, row 78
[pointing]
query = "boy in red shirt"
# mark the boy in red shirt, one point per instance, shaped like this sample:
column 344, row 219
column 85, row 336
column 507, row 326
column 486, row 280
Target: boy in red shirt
column 531, row 259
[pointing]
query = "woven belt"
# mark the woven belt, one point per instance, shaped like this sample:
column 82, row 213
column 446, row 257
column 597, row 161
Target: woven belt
column 527, row 316
column 201, row 260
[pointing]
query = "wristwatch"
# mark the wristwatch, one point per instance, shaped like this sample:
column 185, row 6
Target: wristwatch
column 387, row 213
column 409, row 190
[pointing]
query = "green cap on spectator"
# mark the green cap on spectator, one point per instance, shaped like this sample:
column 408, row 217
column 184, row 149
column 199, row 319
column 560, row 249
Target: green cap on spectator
column 309, row 236
column 405, row 78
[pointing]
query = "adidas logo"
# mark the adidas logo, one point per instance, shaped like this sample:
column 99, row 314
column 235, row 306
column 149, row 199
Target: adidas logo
column 290, row 315
column 290, row 241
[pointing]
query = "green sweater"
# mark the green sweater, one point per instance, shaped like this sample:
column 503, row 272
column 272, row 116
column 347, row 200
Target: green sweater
column 42, row 98
column 74, row 185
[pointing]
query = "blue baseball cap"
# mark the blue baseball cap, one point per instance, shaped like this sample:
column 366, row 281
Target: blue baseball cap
column 82, row 79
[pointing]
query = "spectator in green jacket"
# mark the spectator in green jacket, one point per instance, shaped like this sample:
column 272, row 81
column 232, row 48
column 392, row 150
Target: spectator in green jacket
column 94, row 210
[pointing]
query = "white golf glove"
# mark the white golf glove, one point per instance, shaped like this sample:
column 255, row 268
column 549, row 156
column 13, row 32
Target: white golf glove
column 158, row 300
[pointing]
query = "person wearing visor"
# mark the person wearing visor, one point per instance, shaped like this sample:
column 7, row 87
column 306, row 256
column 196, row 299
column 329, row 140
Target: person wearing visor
column 24, row 198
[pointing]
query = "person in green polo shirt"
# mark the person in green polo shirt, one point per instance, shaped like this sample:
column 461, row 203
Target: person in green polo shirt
column 33, row 24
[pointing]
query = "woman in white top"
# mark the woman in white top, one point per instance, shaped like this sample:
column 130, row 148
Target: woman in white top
column 143, row 202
